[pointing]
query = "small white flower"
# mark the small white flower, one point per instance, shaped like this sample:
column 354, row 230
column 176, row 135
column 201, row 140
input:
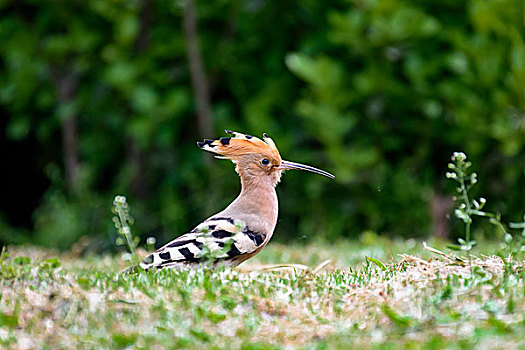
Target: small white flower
column 151, row 240
column 119, row 200
column 459, row 156
column 482, row 200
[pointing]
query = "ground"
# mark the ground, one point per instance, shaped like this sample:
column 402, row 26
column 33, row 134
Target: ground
column 409, row 297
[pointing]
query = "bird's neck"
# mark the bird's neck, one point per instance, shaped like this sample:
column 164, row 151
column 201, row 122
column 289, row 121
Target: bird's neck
column 257, row 198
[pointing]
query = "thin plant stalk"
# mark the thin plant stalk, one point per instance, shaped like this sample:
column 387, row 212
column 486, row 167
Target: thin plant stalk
column 471, row 207
column 468, row 207
column 123, row 222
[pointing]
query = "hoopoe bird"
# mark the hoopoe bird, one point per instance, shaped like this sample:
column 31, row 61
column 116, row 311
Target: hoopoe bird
column 242, row 229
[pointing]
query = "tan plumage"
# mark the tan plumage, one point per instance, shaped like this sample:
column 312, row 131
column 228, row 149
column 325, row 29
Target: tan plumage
column 242, row 229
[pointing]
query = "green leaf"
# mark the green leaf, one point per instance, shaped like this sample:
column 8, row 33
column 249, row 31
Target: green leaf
column 500, row 326
column 127, row 29
column 51, row 263
column 8, row 320
column 84, row 283
column 22, row 260
column 377, row 262
column 200, row 334
column 144, row 98
column 322, row 72
column 397, row 319
column 216, row 317
column 517, row 224
column 122, row 340
column 18, row 128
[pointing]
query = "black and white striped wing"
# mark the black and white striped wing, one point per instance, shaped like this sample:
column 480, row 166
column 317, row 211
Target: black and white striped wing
column 215, row 240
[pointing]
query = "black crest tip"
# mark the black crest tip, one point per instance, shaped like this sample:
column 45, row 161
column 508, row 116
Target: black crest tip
column 229, row 132
column 266, row 135
column 200, row 144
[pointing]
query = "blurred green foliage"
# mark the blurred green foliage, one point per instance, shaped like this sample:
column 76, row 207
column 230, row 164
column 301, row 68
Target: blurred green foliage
column 379, row 92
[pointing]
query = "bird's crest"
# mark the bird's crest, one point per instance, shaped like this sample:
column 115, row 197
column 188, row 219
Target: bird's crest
column 241, row 144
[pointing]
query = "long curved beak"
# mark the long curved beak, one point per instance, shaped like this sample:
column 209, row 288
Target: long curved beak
column 285, row 165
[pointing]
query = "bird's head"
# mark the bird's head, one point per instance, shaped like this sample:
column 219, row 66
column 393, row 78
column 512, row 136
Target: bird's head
column 255, row 158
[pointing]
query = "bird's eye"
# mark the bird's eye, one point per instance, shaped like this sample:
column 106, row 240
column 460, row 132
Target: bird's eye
column 265, row 161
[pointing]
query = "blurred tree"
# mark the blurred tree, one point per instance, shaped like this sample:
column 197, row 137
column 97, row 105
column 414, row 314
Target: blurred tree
column 378, row 91
column 201, row 89
column 408, row 82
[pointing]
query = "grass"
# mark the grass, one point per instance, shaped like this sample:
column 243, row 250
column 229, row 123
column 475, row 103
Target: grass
column 421, row 300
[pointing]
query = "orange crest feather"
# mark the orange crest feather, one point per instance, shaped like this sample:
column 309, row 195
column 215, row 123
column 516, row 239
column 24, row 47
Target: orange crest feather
column 241, row 144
